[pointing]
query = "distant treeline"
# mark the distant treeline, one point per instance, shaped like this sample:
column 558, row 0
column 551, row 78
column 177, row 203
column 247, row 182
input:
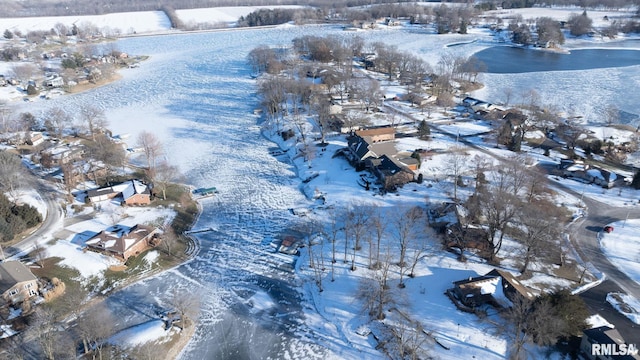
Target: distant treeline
column 12, row 8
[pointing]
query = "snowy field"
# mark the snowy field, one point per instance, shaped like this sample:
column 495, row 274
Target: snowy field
column 129, row 23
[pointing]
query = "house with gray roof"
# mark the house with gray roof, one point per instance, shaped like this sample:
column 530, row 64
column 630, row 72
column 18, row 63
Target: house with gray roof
column 17, row 282
column 607, row 340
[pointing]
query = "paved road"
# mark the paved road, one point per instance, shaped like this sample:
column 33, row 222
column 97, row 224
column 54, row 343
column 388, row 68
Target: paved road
column 584, row 237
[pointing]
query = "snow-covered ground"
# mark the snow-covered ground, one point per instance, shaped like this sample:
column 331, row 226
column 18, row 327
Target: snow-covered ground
column 196, row 94
column 129, row 23
column 626, row 305
column 622, row 247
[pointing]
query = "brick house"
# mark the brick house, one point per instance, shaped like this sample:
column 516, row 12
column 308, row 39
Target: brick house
column 131, row 192
column 122, row 242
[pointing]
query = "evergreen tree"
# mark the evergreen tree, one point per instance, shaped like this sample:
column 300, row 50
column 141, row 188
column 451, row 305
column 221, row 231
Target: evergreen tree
column 8, row 34
column 463, row 27
column 423, row 130
column 635, row 183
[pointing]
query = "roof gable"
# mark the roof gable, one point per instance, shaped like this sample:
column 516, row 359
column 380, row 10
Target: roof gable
column 12, row 273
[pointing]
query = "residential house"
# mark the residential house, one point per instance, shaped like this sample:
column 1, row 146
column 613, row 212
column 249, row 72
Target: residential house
column 589, row 173
column 392, row 169
column 390, row 172
column 608, row 336
column 497, row 287
column 512, row 287
column 362, row 147
column 408, row 161
column 17, row 283
column 132, row 192
column 480, row 290
column 378, row 134
column 53, row 81
column 136, row 193
column 122, row 242
column 479, row 105
column 35, row 138
column 66, row 153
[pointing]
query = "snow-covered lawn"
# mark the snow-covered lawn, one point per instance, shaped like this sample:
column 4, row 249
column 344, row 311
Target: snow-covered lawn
column 88, row 263
column 626, row 305
column 622, row 247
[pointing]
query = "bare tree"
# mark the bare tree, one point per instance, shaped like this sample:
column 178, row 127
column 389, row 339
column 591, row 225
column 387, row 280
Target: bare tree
column 53, row 342
column 517, row 172
column 611, row 115
column 261, row 58
column 272, row 92
column 539, row 225
column 152, row 148
column 536, row 183
column 56, row 120
column 498, row 207
column 332, row 235
column 23, row 72
column 380, row 222
column 422, row 246
column 368, row 92
column 508, row 95
column 104, row 151
column 322, row 108
column 6, row 116
column 12, row 173
column 93, row 118
column 374, row 290
column 405, row 225
column 165, row 173
column 445, row 100
column 95, row 326
column 580, row 24
column 480, row 166
column 410, row 339
column 354, row 120
column 457, row 164
column 549, row 32
column 169, row 239
column 187, row 304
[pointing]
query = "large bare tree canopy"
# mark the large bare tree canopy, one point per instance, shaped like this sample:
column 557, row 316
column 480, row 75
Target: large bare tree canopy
column 11, row 171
